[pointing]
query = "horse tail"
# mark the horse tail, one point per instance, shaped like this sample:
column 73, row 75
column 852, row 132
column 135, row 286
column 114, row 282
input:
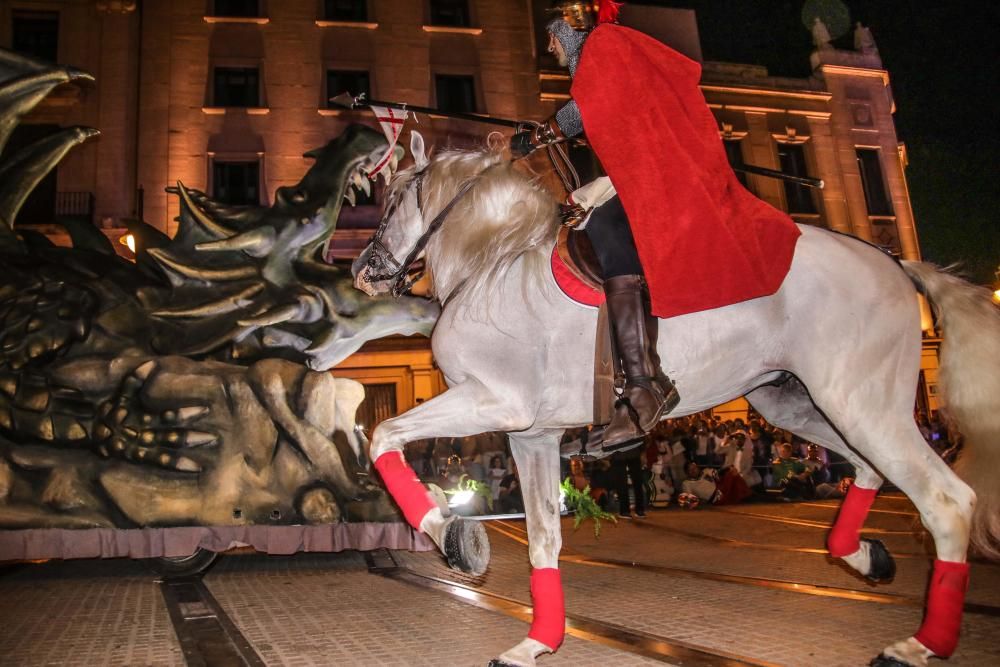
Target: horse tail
column 969, row 380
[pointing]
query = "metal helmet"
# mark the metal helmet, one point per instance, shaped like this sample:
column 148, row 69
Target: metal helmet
column 578, row 14
column 584, row 15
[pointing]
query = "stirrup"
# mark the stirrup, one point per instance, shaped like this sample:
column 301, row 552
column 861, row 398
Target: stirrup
column 592, row 447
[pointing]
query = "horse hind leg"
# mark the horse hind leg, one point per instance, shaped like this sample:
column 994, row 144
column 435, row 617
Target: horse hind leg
column 537, row 458
column 886, row 435
column 789, row 406
column 946, row 505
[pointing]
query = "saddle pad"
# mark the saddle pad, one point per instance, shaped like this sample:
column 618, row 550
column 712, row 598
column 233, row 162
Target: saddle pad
column 571, row 285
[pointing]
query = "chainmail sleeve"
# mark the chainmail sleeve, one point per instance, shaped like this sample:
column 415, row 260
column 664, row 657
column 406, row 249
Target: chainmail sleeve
column 569, row 120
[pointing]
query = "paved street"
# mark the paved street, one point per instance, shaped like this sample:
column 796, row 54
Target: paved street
column 715, row 586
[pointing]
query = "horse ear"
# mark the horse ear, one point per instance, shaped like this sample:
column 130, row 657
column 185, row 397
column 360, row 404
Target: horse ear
column 417, row 149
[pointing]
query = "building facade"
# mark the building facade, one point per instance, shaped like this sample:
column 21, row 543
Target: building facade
column 227, row 95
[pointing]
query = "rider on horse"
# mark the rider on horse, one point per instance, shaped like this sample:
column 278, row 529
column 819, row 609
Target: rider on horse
column 680, row 218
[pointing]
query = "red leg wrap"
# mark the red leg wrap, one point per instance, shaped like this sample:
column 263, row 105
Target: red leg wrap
column 404, row 487
column 548, row 623
column 945, row 599
column 844, row 538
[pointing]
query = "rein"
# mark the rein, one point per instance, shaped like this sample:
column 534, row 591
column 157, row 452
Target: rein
column 382, row 257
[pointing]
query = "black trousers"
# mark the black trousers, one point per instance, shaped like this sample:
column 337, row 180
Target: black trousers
column 611, row 237
column 625, row 469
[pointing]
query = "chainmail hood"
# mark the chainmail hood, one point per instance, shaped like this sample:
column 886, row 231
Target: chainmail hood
column 571, row 41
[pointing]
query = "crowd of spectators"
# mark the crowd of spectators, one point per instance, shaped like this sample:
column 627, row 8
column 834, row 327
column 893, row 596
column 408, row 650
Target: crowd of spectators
column 695, row 460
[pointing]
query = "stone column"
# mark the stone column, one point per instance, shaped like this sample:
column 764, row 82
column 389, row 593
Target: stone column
column 825, row 150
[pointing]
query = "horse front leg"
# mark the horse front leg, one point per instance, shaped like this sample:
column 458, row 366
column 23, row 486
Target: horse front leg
column 537, row 459
column 466, row 409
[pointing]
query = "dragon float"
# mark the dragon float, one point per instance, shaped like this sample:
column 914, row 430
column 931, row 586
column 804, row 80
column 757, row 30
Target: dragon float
column 191, row 386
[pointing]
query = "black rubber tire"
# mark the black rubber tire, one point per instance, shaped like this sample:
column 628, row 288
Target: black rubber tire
column 171, row 567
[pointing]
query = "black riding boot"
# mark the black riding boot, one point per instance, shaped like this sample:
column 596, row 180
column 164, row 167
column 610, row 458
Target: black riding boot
column 648, row 392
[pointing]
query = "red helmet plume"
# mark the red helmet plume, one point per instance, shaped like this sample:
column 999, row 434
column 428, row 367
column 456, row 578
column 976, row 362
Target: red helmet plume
column 607, row 11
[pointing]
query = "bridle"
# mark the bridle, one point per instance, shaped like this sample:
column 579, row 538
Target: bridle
column 382, row 259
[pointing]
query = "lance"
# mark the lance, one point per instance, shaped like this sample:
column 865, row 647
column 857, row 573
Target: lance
column 347, row 101
column 774, row 173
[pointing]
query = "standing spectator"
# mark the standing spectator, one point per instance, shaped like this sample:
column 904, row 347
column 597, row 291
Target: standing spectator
column 625, row 466
column 510, row 492
column 494, row 475
column 762, row 456
column 716, row 454
column 676, row 458
column 601, row 483
column 702, row 436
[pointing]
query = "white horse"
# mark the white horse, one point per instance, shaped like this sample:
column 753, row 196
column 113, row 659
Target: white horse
column 832, row 356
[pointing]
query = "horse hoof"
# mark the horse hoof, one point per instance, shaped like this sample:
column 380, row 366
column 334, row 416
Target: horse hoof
column 883, row 566
column 884, row 660
column 466, row 546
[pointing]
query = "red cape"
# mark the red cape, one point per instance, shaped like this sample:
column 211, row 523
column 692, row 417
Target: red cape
column 703, row 239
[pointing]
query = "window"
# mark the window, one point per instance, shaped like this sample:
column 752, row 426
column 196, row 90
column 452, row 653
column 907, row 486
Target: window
column 346, row 10
column 876, row 197
column 236, row 183
column 451, row 13
column 793, row 161
column 455, row 93
column 236, row 87
column 347, row 81
column 237, row 8
column 36, row 34
column 734, row 153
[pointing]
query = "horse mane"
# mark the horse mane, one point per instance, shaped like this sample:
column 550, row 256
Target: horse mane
column 505, row 216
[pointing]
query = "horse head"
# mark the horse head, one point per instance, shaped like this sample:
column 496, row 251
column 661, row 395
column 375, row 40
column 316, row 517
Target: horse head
column 379, row 269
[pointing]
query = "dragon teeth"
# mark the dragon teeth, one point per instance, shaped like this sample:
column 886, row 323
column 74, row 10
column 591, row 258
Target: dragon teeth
column 349, row 196
column 366, row 187
column 358, row 180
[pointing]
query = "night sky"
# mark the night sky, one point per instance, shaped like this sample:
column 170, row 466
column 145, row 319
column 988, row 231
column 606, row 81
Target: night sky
column 943, row 69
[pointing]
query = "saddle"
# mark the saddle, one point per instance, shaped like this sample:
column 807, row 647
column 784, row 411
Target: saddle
column 577, row 254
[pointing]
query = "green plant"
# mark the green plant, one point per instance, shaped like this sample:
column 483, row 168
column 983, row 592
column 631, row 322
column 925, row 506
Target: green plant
column 584, row 506
column 466, row 483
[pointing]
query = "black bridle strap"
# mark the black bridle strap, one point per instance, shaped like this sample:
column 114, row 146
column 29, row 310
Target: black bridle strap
column 399, row 276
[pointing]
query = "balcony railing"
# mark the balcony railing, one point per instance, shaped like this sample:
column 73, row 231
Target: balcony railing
column 77, row 204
